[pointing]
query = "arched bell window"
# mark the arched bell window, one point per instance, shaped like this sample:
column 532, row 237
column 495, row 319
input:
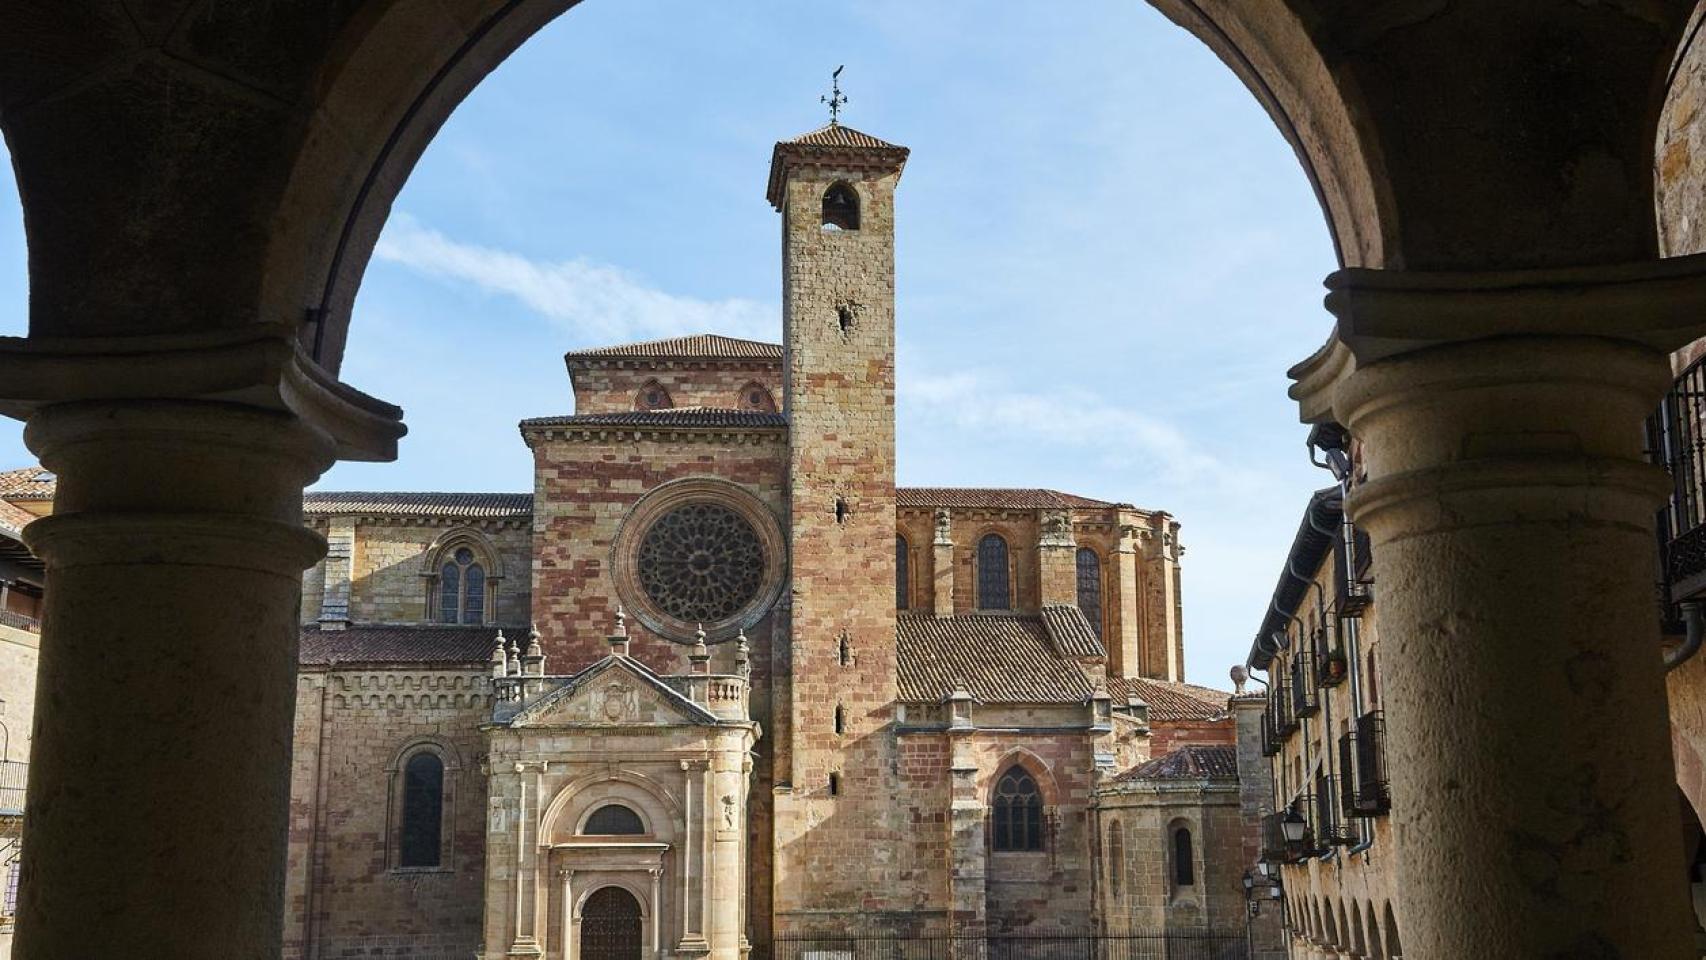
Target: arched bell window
column 1018, row 813
column 421, row 838
column 462, row 588
column 614, row 820
column 840, row 207
column 994, row 584
column 1090, row 587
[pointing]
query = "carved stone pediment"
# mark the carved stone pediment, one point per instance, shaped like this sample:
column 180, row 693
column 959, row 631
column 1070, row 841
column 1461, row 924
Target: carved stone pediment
column 614, row 694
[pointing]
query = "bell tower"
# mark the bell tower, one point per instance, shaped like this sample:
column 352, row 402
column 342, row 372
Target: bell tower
column 834, row 739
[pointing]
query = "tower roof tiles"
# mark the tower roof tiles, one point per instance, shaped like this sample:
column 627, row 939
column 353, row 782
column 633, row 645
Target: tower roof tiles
column 699, row 346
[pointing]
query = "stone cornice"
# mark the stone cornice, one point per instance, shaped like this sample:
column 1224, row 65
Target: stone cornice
column 608, row 434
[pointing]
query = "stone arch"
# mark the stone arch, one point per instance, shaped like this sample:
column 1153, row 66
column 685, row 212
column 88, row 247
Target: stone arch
column 755, row 396
column 841, row 206
column 632, row 888
column 397, row 807
column 1345, row 941
column 1329, row 924
column 1394, row 946
column 653, row 395
column 437, row 556
column 576, row 800
column 1173, row 846
column 1376, row 949
column 1036, row 766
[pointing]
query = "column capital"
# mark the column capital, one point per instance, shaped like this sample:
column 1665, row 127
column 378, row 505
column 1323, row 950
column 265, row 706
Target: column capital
column 1658, row 305
column 260, row 366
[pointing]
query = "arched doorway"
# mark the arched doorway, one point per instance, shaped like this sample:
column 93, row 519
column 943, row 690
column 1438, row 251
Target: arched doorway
column 610, row 926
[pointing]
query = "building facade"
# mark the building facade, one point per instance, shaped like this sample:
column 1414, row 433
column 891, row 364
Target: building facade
column 717, row 685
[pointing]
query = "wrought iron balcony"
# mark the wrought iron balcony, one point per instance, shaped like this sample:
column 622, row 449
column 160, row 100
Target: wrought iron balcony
column 1362, row 768
column 1279, row 707
column 1331, row 666
column 1305, row 700
column 14, row 774
column 1271, row 740
column 18, row 621
column 1353, row 580
column 1676, row 440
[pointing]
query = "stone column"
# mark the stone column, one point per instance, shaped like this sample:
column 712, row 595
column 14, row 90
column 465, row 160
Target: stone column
column 1511, row 514
column 942, row 564
column 159, row 793
column 1057, row 558
column 725, row 884
column 968, row 869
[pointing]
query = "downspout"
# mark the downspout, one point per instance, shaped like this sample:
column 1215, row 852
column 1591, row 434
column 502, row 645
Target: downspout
column 1353, row 654
column 1695, row 620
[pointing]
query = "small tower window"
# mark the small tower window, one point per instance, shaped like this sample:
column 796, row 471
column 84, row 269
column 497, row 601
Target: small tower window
column 902, row 578
column 835, row 784
column 840, row 207
column 840, row 719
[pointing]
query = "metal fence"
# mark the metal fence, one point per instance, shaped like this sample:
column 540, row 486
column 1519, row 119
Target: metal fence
column 1148, row 946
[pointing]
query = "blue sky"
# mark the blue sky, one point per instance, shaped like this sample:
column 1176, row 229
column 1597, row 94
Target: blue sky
column 1107, row 255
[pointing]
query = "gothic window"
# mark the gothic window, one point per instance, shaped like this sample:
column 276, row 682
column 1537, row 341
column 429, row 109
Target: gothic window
column 1018, row 812
column 653, row 396
column 994, row 587
column 1090, row 587
column 1184, row 860
column 1116, row 858
column 701, row 563
column 462, row 588
column 840, row 207
column 902, row 576
column 614, row 820
column 423, row 811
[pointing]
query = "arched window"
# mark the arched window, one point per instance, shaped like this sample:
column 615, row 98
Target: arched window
column 994, row 588
column 755, row 397
column 653, row 396
column 1090, row 587
column 1018, row 811
column 840, row 207
column 1184, row 860
column 902, row 575
column 1116, row 857
column 421, row 838
column 462, row 588
column 614, row 820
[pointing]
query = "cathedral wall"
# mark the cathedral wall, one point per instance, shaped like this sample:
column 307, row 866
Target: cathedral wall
column 1138, row 892
column 1167, row 737
column 344, row 891
column 601, row 388
column 391, row 556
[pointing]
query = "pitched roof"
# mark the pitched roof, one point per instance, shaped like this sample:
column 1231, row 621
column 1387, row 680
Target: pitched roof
column 469, row 506
column 1071, row 632
column 671, row 417
column 702, row 346
column 997, row 498
column 1000, row 658
column 12, row 519
column 837, row 135
column 430, row 643
column 28, row 483
column 1311, row 545
column 1171, row 702
column 1193, row 762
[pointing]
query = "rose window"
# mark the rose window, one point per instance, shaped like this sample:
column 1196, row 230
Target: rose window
column 701, row 563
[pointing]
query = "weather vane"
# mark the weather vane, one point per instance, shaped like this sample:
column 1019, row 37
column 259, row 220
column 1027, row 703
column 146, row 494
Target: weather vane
column 835, row 99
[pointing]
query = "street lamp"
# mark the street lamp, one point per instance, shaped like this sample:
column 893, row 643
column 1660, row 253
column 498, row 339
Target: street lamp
column 1294, row 826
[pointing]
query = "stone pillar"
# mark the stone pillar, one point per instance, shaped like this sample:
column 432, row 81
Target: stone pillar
column 1057, row 558
column 1123, row 643
column 942, row 564
column 726, row 885
column 159, row 794
column 1511, row 513
column 968, row 867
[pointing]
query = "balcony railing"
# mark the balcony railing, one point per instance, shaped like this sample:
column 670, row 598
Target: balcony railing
column 1331, row 667
column 1676, row 440
column 1354, row 584
column 1305, row 700
column 1279, row 707
column 18, row 621
column 14, row 774
column 1271, row 740
column 1362, row 762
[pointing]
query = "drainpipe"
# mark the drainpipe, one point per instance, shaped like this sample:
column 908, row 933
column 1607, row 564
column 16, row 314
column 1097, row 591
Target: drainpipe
column 1696, row 622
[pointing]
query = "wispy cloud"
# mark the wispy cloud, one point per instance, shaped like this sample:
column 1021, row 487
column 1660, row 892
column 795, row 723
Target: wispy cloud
column 597, row 302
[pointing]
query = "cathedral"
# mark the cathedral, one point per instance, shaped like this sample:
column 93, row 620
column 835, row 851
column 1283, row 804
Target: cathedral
column 717, row 684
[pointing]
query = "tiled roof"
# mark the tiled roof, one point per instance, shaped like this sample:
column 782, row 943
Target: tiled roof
column 456, row 505
column 836, row 135
column 1194, row 762
column 28, row 483
column 1170, row 702
column 674, row 417
column 702, row 346
column 442, row 644
column 996, row 498
column 1071, row 632
column 12, row 519
column 1000, row 658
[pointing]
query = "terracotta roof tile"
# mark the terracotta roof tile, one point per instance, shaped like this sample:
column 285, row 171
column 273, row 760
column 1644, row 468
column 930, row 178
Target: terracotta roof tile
column 1071, row 632
column 12, row 519
column 837, row 135
column 702, row 346
column 676, row 417
column 995, row 498
column 368, row 643
column 1170, row 702
column 470, row 506
column 28, row 483
column 1193, row 762
column 1000, row 658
